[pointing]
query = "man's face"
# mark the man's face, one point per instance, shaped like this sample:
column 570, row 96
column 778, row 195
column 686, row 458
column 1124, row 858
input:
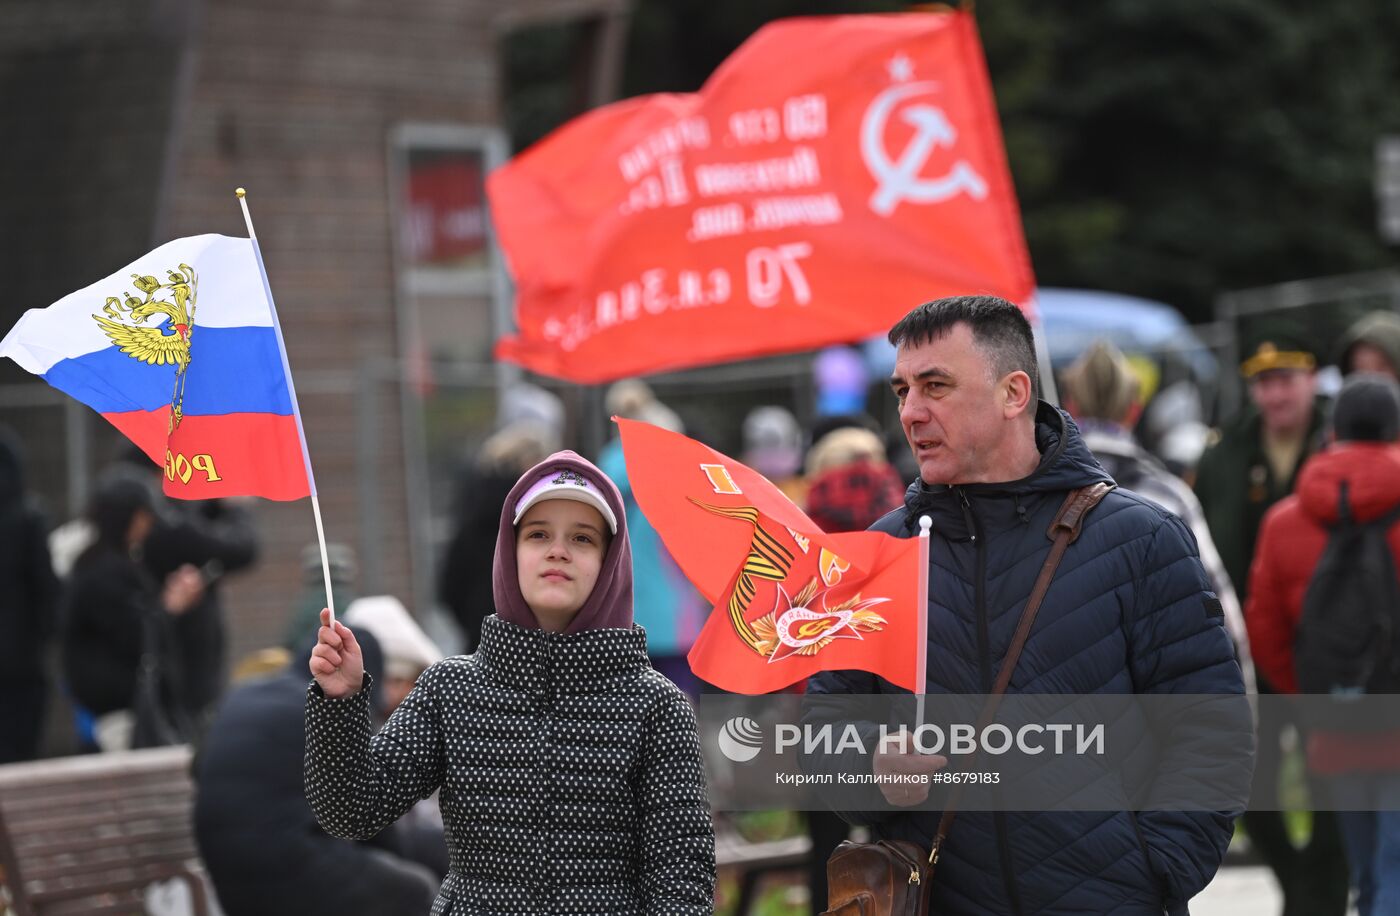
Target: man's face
column 950, row 407
column 1284, row 398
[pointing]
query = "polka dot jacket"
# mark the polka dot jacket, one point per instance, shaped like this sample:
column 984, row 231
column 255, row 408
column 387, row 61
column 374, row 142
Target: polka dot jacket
column 570, row 773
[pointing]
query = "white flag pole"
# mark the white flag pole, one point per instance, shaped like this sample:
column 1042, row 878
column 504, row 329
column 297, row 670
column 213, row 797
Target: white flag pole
column 296, row 408
column 921, row 669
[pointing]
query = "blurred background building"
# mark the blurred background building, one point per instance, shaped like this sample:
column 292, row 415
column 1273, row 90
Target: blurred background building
column 1181, row 171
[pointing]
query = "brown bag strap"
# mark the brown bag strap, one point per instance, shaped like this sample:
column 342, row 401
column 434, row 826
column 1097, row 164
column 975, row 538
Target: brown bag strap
column 1064, row 530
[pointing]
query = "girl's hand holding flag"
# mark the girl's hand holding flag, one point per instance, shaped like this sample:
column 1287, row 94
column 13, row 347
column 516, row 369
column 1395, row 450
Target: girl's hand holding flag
column 337, row 663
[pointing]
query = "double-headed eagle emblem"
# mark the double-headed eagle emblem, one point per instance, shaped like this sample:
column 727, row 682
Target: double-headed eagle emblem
column 168, row 341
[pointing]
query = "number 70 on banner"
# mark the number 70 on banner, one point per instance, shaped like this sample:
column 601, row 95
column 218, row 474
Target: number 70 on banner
column 769, row 269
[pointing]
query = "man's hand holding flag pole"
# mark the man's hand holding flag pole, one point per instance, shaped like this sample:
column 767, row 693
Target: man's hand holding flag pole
column 213, row 401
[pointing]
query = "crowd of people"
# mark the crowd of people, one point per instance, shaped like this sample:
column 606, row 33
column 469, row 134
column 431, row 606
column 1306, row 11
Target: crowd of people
column 400, row 777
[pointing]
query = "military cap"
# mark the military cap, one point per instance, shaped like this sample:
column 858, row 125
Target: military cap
column 1277, row 346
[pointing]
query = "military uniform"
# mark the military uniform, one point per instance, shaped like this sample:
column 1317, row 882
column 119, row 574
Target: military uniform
column 1236, row 487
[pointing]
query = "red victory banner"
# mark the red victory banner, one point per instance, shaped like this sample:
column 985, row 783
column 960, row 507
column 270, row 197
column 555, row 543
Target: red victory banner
column 832, row 173
column 789, row 599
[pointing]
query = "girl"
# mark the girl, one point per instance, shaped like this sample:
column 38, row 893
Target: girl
column 569, row 770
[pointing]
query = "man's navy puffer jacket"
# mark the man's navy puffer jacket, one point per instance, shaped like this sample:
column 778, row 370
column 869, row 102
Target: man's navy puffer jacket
column 1130, row 611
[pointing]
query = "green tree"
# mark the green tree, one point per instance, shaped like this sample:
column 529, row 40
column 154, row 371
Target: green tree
column 1195, row 147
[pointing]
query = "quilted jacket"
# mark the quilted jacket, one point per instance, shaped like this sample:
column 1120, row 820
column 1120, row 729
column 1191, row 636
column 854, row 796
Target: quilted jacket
column 1130, row 611
column 570, row 776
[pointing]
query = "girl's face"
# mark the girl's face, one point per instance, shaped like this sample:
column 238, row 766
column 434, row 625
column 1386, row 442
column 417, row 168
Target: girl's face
column 559, row 547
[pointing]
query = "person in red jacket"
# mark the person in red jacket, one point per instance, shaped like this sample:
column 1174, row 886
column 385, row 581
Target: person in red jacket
column 1365, row 455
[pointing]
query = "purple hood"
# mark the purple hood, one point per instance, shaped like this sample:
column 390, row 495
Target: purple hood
column 610, row 604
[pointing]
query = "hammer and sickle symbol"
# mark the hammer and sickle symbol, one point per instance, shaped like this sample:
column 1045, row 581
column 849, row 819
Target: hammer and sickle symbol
column 899, row 179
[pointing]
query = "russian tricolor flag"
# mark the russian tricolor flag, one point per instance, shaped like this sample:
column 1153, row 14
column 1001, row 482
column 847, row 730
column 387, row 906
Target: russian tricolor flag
column 182, row 352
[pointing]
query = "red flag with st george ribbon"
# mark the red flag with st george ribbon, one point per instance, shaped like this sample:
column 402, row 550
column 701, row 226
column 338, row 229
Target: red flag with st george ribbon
column 790, row 600
column 831, row 174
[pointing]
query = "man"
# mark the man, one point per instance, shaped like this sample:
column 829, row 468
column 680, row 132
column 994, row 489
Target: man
column 1130, row 611
column 1102, row 394
column 1365, row 458
column 1253, row 465
column 1255, row 459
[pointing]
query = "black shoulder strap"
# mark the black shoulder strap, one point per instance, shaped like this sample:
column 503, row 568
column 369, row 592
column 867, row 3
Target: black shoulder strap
column 1345, row 515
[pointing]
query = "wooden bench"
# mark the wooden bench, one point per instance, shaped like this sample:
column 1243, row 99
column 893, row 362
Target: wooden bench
column 91, row 834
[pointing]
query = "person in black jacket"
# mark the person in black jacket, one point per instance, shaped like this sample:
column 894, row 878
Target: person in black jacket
column 257, row 836
column 216, row 537
column 570, row 771
column 28, row 592
column 1130, row 611
column 115, row 611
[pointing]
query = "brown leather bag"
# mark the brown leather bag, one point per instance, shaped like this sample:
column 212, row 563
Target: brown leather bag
column 895, row 877
column 886, row 878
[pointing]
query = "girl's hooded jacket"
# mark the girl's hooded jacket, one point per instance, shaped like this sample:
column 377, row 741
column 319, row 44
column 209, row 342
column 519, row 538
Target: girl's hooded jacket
column 570, row 772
